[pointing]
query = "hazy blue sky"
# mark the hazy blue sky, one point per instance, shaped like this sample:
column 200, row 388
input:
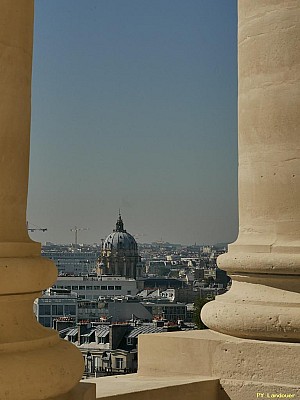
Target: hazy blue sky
column 134, row 106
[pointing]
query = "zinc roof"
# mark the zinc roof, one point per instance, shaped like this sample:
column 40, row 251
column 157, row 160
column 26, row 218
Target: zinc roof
column 144, row 329
column 102, row 331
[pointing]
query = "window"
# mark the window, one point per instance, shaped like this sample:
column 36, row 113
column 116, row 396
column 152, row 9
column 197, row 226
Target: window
column 57, row 310
column 111, row 287
column 44, row 310
column 70, row 309
column 128, row 291
column 118, row 287
column 81, row 287
column 103, row 287
column 74, row 287
column 89, row 288
column 45, row 321
column 96, row 287
column 130, row 341
column 119, row 362
column 102, row 340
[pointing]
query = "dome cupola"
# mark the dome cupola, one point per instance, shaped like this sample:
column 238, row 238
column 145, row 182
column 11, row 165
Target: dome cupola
column 119, row 254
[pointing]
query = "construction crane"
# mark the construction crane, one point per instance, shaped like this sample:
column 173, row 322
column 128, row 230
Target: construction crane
column 76, row 230
column 36, row 228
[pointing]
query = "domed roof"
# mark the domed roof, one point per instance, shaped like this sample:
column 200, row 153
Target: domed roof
column 119, row 239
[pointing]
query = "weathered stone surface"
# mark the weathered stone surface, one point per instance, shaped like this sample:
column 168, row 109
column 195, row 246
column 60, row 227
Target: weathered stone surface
column 34, row 363
column 82, row 391
column 264, row 262
column 137, row 387
column 243, row 366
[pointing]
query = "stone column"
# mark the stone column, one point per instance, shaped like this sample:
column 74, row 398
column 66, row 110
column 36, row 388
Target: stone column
column 264, row 262
column 34, row 362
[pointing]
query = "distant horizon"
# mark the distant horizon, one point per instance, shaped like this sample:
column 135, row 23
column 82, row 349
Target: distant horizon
column 141, row 243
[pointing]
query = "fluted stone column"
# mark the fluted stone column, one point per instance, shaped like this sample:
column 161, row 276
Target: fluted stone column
column 264, row 262
column 34, row 362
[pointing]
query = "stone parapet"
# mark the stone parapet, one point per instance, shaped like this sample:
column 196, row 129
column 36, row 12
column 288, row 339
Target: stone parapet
column 207, row 365
column 137, row 387
column 243, row 366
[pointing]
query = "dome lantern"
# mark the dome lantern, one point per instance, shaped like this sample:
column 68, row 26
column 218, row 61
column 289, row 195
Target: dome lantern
column 119, row 224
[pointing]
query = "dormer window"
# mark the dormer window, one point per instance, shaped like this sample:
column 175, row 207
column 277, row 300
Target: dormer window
column 130, row 341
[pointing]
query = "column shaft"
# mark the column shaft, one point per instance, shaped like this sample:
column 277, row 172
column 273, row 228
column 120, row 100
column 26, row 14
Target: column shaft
column 264, row 262
column 34, row 364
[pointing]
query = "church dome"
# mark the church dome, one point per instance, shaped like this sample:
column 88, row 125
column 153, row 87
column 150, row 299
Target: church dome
column 119, row 254
column 120, row 240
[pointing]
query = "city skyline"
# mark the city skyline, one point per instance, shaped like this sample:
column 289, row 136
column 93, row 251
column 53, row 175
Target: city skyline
column 134, row 107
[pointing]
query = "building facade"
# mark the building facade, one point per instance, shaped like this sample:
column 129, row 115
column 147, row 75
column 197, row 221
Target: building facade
column 56, row 304
column 93, row 288
column 70, row 260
